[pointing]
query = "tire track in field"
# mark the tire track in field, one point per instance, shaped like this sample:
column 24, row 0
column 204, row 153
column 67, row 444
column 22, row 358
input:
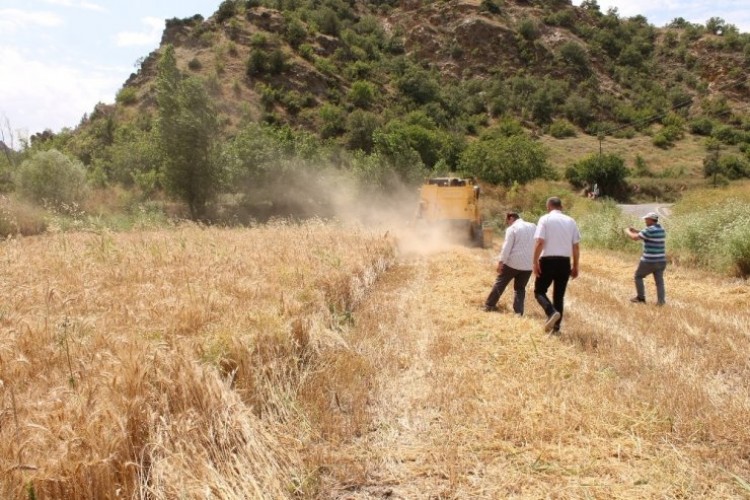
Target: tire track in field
column 484, row 405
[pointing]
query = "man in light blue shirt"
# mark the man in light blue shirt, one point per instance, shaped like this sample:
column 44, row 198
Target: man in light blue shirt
column 514, row 262
column 654, row 258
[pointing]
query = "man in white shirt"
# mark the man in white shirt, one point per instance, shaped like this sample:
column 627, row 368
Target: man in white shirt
column 557, row 241
column 514, row 263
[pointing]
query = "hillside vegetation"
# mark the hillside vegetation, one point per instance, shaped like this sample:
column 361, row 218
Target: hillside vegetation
column 244, row 115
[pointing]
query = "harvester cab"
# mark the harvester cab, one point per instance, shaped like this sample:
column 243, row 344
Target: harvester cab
column 451, row 205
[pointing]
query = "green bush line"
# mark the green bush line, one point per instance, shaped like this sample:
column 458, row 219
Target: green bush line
column 714, row 236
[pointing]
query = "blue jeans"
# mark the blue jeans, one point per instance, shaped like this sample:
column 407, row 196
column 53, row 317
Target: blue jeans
column 646, row 268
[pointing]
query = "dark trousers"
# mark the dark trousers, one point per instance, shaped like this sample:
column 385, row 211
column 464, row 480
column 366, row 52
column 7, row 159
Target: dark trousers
column 556, row 272
column 506, row 275
column 646, row 268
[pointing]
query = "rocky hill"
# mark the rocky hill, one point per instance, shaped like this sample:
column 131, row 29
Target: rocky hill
column 274, row 64
column 410, row 85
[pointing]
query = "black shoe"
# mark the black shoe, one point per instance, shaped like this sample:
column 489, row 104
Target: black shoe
column 491, row 309
column 637, row 300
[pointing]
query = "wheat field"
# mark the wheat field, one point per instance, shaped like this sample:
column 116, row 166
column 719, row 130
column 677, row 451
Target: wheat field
column 323, row 361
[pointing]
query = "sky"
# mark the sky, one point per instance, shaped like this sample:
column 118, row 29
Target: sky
column 59, row 58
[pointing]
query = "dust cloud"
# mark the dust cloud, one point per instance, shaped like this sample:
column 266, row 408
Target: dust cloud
column 333, row 194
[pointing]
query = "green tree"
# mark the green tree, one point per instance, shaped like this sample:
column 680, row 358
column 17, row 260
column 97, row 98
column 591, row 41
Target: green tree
column 227, row 9
column 418, row 85
column 187, row 131
column 506, row 160
column 132, row 159
column 402, row 160
column 52, row 177
column 360, row 127
column 608, row 171
column 711, row 165
column 333, row 121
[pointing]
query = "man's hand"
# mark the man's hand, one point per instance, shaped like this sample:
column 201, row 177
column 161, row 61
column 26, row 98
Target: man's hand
column 499, row 267
column 574, row 272
column 537, row 269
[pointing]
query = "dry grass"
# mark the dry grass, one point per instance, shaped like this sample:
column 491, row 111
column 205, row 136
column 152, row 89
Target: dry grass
column 283, row 361
column 631, row 402
column 685, row 157
column 170, row 364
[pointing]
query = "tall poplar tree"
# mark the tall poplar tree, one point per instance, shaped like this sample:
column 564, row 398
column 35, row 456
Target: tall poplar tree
column 187, row 131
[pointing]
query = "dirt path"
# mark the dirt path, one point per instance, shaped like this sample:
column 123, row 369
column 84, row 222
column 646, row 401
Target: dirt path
column 632, row 401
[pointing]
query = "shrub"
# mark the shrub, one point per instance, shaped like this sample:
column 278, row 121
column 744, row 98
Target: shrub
column 641, row 167
column 727, row 134
column 418, row 85
column 660, row 141
column 578, row 109
column 716, row 235
column 127, row 96
column 574, row 54
column 358, row 70
column 333, row 121
column 234, row 29
column 421, row 136
column 560, row 129
column 327, row 21
column 601, row 224
column 195, row 64
column 734, row 167
column 701, row 126
column 293, row 101
column 667, row 136
column 362, row 94
column 259, row 40
column 528, row 29
column 306, row 51
column 295, row 33
column 325, row 66
column 50, row 176
column 492, row 6
column 187, row 21
column 276, row 62
column 268, row 96
column 257, row 62
column 563, row 17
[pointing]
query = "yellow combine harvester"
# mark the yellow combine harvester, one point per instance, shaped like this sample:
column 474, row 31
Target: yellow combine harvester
column 451, row 205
